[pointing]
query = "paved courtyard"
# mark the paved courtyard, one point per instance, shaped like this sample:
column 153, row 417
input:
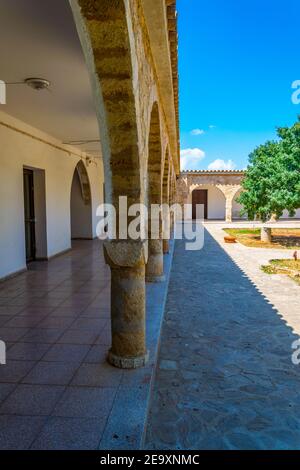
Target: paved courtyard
column 225, row 379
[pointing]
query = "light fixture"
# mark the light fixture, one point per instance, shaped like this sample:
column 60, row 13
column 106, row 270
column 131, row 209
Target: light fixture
column 37, row 83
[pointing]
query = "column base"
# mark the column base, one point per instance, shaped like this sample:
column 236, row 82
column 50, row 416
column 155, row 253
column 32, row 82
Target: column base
column 166, row 247
column 127, row 362
column 155, row 279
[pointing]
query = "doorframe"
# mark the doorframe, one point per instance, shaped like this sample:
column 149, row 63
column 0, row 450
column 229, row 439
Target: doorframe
column 205, row 204
column 40, row 212
column 29, row 172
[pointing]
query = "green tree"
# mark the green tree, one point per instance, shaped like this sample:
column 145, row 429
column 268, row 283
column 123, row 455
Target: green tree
column 272, row 179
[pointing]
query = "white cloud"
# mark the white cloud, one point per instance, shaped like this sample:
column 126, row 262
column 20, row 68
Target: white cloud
column 197, row 132
column 190, row 158
column 212, row 126
column 222, row 165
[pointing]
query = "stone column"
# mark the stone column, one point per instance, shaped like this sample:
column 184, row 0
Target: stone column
column 155, row 264
column 229, row 200
column 127, row 262
column 229, row 191
column 166, row 246
column 166, row 236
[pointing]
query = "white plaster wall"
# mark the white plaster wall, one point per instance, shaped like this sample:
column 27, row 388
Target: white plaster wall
column 40, row 213
column 286, row 215
column 236, row 207
column 18, row 150
column 216, row 201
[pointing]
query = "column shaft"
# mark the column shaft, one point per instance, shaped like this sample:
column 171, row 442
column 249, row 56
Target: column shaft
column 128, row 307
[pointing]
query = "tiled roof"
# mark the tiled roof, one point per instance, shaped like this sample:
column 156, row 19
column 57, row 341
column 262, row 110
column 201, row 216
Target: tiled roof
column 215, row 172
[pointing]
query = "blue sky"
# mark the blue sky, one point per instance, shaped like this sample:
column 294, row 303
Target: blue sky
column 237, row 62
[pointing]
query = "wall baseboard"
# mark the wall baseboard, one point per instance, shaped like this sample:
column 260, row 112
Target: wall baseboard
column 61, row 253
column 12, row 275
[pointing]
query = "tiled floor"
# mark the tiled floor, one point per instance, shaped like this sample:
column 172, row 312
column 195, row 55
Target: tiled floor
column 56, row 390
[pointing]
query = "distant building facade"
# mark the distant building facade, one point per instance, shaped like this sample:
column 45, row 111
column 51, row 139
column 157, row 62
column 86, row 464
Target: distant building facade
column 218, row 191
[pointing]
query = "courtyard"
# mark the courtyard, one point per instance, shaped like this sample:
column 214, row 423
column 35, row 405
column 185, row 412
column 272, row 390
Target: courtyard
column 225, row 377
column 115, row 334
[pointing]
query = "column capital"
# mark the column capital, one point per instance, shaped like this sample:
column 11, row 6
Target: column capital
column 125, row 253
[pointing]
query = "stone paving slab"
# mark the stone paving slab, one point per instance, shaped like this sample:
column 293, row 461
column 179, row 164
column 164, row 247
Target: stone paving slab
column 281, row 291
column 225, row 379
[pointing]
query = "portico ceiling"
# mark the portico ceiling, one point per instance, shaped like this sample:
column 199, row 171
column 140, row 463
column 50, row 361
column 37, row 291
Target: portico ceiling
column 39, row 39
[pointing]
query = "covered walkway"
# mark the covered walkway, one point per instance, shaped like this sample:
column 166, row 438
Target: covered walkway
column 225, row 377
column 57, row 390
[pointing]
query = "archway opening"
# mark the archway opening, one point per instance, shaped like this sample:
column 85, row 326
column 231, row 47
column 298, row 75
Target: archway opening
column 81, row 205
column 154, row 160
column 155, row 266
column 237, row 207
column 211, row 199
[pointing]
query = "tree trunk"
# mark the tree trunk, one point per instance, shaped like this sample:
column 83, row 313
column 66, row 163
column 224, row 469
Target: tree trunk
column 266, row 234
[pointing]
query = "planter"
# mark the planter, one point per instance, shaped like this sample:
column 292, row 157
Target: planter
column 229, row 239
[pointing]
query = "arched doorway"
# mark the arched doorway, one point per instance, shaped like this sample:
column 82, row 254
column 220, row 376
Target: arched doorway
column 211, row 199
column 81, row 204
column 237, row 207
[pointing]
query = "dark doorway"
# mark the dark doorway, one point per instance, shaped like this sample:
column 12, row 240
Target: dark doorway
column 200, row 197
column 81, row 205
column 29, row 215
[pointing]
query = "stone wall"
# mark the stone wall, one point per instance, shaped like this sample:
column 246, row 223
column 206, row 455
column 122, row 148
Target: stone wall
column 229, row 183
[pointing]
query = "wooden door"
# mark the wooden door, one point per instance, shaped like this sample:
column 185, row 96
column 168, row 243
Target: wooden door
column 200, row 197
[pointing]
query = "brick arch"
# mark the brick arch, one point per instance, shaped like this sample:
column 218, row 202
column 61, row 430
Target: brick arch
column 104, row 34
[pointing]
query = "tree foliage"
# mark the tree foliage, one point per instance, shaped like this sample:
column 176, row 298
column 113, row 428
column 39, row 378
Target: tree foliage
column 272, row 179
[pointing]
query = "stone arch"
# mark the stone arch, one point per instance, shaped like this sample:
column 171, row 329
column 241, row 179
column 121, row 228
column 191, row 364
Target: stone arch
column 166, row 178
column 154, row 158
column 237, row 207
column 155, row 267
column 81, row 204
column 105, row 32
column 216, row 200
column 84, row 182
column 173, row 186
column 166, row 200
column 229, row 191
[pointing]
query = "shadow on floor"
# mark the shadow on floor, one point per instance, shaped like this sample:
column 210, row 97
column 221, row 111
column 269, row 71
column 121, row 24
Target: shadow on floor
column 225, row 377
